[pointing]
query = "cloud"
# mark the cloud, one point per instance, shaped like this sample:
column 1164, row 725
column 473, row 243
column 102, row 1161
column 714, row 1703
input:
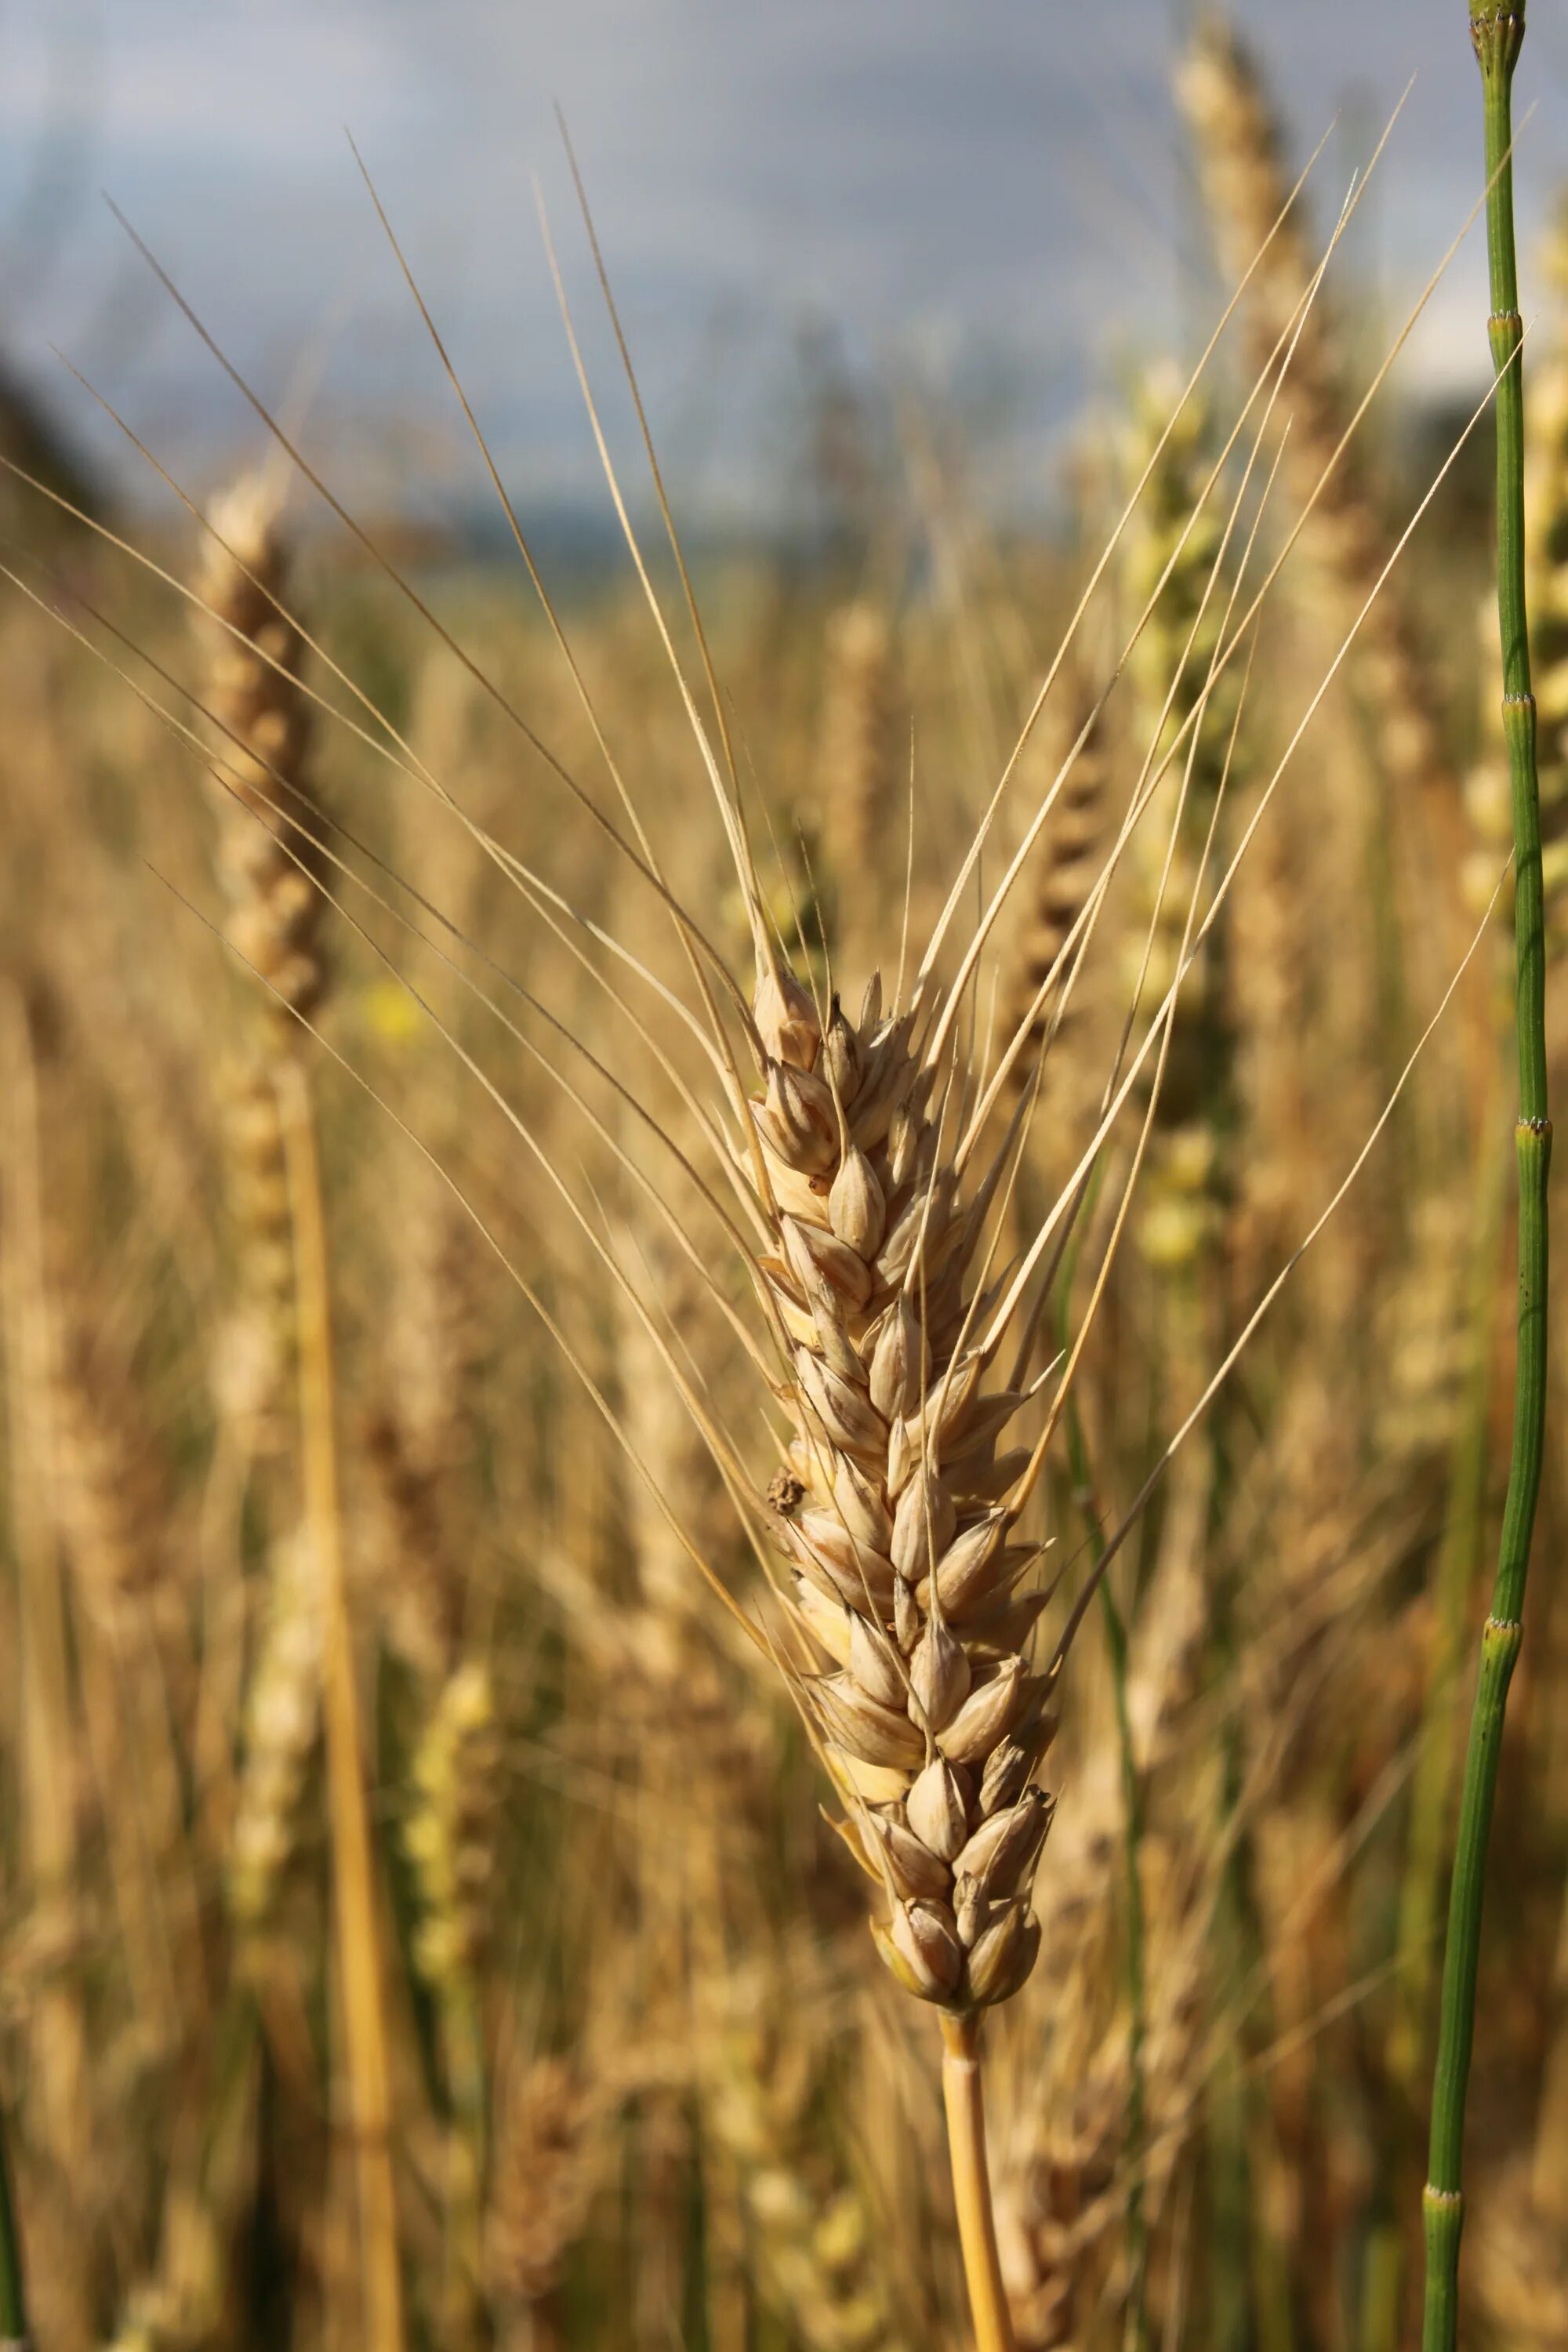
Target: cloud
column 1002, row 180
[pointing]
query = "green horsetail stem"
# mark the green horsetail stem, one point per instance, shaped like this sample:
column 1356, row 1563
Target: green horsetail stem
column 1498, row 34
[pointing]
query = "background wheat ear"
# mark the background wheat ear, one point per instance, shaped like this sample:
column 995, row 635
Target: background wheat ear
column 1259, row 223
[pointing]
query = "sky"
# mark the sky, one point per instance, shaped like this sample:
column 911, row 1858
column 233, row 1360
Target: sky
column 984, row 197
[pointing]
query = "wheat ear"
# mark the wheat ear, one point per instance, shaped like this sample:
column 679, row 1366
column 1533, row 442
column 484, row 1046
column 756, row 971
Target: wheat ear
column 451, row 1838
column 861, row 761
column 1032, row 997
column 892, row 1508
column 1247, row 190
column 813, row 2230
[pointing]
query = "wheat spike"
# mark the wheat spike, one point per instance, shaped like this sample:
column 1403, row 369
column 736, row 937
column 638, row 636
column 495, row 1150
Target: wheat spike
column 1185, row 1178
column 112, row 1502
column 419, row 1596
column 1246, row 187
column 112, row 1486
column 1061, row 2181
column 265, row 856
column 282, row 1724
column 889, row 1506
column 451, row 1838
column 269, row 820
column 256, row 1344
column 1270, row 934
column 1067, row 866
column 862, row 764
column 438, row 1338
column 421, row 1439
column 551, row 2161
column 814, row 2237
column 450, row 1833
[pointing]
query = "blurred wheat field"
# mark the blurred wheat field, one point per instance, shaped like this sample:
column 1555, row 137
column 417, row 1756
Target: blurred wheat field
column 424, row 1918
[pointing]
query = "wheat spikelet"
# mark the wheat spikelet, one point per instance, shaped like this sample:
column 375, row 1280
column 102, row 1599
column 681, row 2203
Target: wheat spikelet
column 1247, row 187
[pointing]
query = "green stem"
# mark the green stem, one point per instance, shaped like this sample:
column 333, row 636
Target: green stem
column 13, row 2304
column 1498, row 34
